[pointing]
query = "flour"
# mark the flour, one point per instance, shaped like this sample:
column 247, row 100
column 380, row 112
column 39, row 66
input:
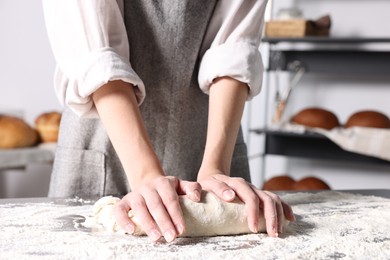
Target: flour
column 330, row 225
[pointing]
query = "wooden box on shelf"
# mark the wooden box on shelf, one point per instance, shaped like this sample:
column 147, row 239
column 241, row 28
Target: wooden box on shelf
column 294, row 28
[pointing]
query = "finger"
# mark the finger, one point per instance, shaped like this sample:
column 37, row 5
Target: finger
column 170, row 199
column 219, row 188
column 191, row 189
column 279, row 210
column 160, row 215
column 270, row 214
column 121, row 210
column 245, row 192
column 145, row 219
column 288, row 212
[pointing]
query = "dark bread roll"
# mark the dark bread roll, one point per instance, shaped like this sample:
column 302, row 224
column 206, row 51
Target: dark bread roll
column 368, row 118
column 316, row 117
column 283, row 182
column 286, row 183
column 311, row 183
column 16, row 133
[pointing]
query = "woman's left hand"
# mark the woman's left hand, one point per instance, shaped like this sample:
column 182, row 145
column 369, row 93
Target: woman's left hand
column 274, row 208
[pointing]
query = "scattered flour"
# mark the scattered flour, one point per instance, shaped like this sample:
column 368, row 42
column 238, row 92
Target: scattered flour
column 330, row 225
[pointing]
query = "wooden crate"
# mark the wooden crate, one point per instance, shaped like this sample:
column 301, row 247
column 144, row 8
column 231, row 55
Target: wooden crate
column 294, row 28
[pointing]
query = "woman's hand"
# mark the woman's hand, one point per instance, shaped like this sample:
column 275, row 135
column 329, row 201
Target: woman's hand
column 156, row 206
column 227, row 188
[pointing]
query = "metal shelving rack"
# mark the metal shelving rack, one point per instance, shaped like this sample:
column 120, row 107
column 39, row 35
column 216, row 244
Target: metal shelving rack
column 326, row 55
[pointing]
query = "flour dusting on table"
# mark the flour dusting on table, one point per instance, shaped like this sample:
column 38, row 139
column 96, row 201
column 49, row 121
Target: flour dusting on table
column 330, row 225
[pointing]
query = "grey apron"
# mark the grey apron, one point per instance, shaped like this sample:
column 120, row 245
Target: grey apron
column 165, row 38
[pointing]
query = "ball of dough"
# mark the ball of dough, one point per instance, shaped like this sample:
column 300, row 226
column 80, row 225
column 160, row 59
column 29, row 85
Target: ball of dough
column 15, row 133
column 280, row 183
column 47, row 125
column 209, row 217
column 316, row 117
column 368, row 118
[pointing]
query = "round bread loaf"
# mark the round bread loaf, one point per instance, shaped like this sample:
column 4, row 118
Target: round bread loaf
column 286, row 183
column 47, row 125
column 368, row 118
column 15, row 133
column 316, row 117
column 283, row 182
column 311, row 183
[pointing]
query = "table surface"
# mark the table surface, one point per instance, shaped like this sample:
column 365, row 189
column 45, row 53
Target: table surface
column 330, row 225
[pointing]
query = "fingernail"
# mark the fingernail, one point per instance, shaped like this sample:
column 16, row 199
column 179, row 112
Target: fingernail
column 155, row 235
column 275, row 232
column 196, row 195
column 169, row 236
column 228, row 194
column 180, row 229
column 129, row 229
column 255, row 228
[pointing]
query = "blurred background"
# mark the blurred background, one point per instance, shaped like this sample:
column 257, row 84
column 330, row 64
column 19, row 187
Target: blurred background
column 26, row 90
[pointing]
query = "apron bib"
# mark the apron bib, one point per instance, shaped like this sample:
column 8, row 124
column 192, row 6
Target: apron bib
column 165, row 37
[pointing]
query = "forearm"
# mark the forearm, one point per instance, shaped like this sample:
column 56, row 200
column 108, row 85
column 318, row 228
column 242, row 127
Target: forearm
column 118, row 110
column 226, row 105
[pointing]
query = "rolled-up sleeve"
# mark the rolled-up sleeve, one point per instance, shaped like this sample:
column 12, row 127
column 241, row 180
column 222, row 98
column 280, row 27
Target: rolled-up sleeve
column 231, row 45
column 91, row 48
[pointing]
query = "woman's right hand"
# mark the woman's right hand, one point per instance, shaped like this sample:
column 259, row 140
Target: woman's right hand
column 156, row 205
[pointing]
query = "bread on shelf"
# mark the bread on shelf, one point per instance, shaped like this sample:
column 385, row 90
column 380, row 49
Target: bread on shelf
column 47, row 125
column 286, row 183
column 316, row 117
column 16, row 133
column 368, row 118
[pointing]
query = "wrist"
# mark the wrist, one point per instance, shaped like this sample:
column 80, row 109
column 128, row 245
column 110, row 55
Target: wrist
column 208, row 171
column 142, row 169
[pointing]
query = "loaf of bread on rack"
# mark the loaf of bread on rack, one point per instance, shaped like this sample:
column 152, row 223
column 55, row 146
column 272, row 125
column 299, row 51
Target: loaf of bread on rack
column 47, row 125
column 286, row 183
column 368, row 118
column 16, row 133
column 316, row 117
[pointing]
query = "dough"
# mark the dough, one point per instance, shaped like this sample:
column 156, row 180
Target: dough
column 209, row 217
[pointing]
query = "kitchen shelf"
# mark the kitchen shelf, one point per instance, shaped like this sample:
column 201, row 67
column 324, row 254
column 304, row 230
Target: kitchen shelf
column 310, row 145
column 325, row 39
column 331, row 55
column 21, row 157
column 323, row 55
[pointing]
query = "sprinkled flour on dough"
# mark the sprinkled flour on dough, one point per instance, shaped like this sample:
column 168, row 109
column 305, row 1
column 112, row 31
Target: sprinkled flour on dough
column 330, row 225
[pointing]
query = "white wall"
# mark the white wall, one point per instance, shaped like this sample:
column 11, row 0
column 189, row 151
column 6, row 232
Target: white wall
column 26, row 62
column 341, row 94
column 26, row 88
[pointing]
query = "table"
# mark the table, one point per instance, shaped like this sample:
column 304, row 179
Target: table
column 330, row 225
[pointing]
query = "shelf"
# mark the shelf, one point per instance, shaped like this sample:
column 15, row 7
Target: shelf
column 21, row 157
column 311, row 146
column 328, row 40
column 332, row 56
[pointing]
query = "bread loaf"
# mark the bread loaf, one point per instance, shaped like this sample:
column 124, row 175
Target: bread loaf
column 286, row 183
column 47, row 125
column 316, row 117
column 15, row 133
column 283, row 182
column 368, row 118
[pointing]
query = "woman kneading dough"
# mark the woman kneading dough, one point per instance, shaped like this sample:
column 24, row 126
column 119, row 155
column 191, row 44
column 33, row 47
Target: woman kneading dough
column 154, row 93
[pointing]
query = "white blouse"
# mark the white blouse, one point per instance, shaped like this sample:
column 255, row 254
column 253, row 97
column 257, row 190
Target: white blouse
column 90, row 45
